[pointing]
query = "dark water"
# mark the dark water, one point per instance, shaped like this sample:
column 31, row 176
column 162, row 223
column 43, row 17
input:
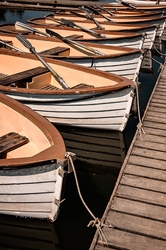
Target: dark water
column 101, row 154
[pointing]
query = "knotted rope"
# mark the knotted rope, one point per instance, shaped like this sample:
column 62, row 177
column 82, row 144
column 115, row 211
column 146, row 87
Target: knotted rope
column 96, row 221
column 139, row 125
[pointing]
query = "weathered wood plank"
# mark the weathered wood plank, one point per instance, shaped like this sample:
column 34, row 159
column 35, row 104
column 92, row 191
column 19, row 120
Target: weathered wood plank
column 43, row 197
column 139, row 208
column 27, row 188
column 149, row 162
column 136, row 224
column 156, row 125
column 130, row 241
column 44, row 207
column 11, row 141
column 145, row 172
column 150, row 145
column 149, row 153
column 157, row 100
column 142, row 195
column 155, row 119
column 55, row 51
column 153, row 138
column 144, row 183
column 24, row 75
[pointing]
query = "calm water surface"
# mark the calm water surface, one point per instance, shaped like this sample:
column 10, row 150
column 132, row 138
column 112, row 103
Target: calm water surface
column 101, row 154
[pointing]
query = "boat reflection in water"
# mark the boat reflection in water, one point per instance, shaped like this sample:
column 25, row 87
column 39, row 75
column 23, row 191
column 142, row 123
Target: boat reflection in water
column 99, row 151
column 19, row 233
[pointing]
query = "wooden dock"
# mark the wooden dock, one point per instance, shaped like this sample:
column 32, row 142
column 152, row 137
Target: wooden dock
column 135, row 217
column 45, row 5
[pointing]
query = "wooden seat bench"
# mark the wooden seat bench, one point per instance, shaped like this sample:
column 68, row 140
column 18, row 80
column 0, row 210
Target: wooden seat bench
column 24, row 75
column 11, row 141
column 73, row 37
column 82, row 85
column 56, row 51
column 49, row 87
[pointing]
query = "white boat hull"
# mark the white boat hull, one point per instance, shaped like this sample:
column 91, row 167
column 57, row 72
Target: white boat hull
column 103, row 111
column 127, row 65
column 31, row 191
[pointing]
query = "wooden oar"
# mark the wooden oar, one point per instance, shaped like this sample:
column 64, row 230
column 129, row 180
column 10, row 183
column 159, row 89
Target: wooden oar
column 64, row 39
column 107, row 11
column 29, row 46
column 126, row 4
column 96, row 12
column 74, row 25
column 11, row 46
column 91, row 18
column 27, row 27
column 77, row 14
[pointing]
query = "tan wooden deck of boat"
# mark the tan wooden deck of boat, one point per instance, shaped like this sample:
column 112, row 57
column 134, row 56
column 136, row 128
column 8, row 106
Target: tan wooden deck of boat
column 136, row 212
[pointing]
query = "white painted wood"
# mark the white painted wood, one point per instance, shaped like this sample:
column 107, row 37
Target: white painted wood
column 108, row 111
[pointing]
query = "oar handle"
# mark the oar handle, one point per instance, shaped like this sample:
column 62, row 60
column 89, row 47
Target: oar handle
column 107, row 11
column 27, row 27
column 29, row 46
column 73, row 25
column 126, row 4
column 91, row 18
column 73, row 42
column 100, row 14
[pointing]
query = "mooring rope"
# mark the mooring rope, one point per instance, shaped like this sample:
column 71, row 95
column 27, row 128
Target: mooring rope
column 139, row 125
column 160, row 53
column 96, row 221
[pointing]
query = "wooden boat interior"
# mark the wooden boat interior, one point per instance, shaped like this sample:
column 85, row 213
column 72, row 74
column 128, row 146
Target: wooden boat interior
column 55, row 48
column 101, row 19
column 39, row 78
column 69, row 32
column 89, row 24
column 25, row 136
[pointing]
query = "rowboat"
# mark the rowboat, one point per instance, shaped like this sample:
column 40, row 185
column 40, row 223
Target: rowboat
column 68, row 94
column 32, row 163
column 128, row 24
column 130, row 40
column 103, row 11
column 145, row 2
column 125, row 5
column 149, row 32
column 98, row 151
column 113, row 59
column 118, row 19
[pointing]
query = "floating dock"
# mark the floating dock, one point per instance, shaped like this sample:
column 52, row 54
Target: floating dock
column 135, row 217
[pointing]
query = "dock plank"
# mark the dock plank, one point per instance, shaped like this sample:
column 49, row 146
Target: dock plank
column 126, row 240
column 137, row 224
column 138, row 208
column 139, row 194
column 135, row 217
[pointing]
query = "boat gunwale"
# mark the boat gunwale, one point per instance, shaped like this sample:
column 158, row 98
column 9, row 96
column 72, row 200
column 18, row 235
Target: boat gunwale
column 137, row 25
column 124, row 82
column 52, row 134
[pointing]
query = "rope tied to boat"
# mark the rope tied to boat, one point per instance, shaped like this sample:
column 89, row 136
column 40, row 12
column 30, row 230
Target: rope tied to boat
column 96, row 221
column 139, row 125
column 154, row 46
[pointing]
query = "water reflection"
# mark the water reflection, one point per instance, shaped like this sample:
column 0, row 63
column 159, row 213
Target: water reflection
column 99, row 157
column 17, row 233
column 98, row 151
